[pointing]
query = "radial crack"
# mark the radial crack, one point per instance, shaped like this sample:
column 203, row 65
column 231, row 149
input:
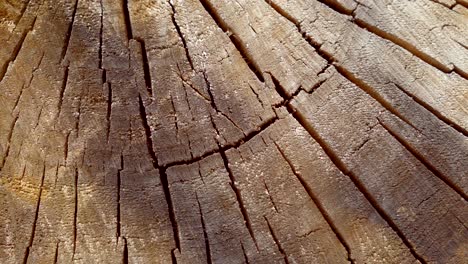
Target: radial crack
column 162, row 172
column 302, row 120
column 278, row 244
column 418, row 155
column 205, row 234
column 402, row 43
column 317, row 203
column 246, row 258
column 226, row 147
column 125, row 252
column 62, row 91
column 215, row 107
column 56, row 253
column 36, row 216
column 179, row 32
column 108, row 86
column 9, row 138
column 240, row 46
column 100, row 35
column 119, row 203
column 434, row 111
column 146, row 67
column 269, row 195
column 69, row 31
column 16, row 51
column 240, row 202
column 128, row 24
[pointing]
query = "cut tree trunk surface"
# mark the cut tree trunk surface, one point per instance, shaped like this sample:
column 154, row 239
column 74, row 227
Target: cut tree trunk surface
column 219, row 131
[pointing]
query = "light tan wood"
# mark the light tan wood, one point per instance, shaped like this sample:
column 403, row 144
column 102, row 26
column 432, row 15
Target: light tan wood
column 216, row 131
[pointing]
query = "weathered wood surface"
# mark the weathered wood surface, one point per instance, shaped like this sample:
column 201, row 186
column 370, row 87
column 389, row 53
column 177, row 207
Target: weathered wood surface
column 217, row 131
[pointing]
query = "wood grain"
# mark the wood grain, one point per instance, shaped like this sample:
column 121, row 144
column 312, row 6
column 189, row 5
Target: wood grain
column 216, row 131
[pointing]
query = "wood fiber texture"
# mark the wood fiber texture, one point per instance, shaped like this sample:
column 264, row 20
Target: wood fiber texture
column 219, row 131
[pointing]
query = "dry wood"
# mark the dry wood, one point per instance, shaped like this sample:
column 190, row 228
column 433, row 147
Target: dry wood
column 216, row 131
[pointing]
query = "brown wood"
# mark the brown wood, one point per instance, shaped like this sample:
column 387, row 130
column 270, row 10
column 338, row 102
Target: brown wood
column 216, row 131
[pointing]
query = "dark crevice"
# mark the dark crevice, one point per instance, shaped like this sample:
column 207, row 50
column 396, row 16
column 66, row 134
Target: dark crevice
column 179, row 32
column 343, row 71
column 408, row 47
column 462, row 222
column 36, row 216
column 372, row 92
column 16, row 51
column 404, row 44
column 360, row 146
column 226, row 147
column 246, row 258
column 283, row 12
column 344, row 169
column 23, row 87
column 146, row 67
column 9, row 138
column 26, row 255
column 425, row 162
column 162, row 172
column 191, row 85
column 78, row 117
column 191, row 117
column 444, row 4
column 462, row 3
column 215, row 107
column 356, row 181
column 69, row 32
column 56, row 174
column 269, row 195
column 62, row 91
column 125, row 252
column 205, row 234
column 278, row 244
column 109, row 110
column 22, row 11
column 176, row 119
column 317, row 203
column 100, row 35
column 173, row 256
column 284, row 93
column 280, row 89
column 18, row 98
column 218, row 135
column 459, row 72
column 23, row 172
column 128, row 24
column 256, row 95
column 38, row 117
column 75, row 214
column 241, row 47
column 56, row 253
column 210, row 92
column 65, row 147
column 428, row 197
column 119, row 189
column 103, row 76
column 240, row 202
column 434, row 111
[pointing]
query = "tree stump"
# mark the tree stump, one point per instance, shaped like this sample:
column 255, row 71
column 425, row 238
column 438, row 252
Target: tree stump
column 218, row 131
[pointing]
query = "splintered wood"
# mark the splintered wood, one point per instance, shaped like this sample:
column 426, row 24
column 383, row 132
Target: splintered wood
column 217, row 131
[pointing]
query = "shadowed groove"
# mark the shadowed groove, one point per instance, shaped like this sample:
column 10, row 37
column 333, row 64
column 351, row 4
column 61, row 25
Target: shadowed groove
column 426, row 162
column 240, row 46
column 334, row 157
column 317, row 203
column 162, row 172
